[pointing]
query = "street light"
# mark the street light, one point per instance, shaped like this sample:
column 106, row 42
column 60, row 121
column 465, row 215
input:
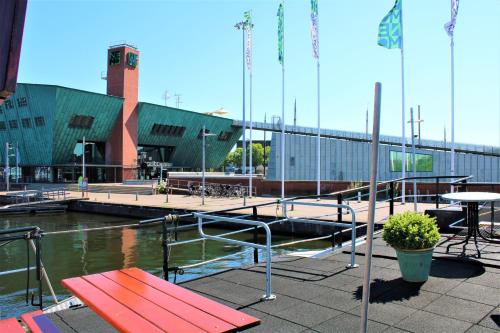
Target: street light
column 203, row 135
column 83, row 158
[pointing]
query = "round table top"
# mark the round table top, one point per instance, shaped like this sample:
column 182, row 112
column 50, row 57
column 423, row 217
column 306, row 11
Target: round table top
column 472, row 196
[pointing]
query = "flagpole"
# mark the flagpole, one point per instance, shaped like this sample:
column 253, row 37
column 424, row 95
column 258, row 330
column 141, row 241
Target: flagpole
column 318, row 144
column 403, row 136
column 283, row 111
column 452, row 162
column 251, row 142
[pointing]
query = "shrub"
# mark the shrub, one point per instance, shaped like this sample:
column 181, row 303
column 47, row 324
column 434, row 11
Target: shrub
column 411, row 231
column 162, row 187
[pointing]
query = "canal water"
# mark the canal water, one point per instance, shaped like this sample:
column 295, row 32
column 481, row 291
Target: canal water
column 80, row 253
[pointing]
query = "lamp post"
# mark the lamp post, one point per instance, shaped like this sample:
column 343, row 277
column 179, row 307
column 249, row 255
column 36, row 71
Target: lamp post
column 203, row 135
column 83, row 159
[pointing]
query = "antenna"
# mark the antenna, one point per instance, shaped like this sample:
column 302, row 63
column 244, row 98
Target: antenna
column 178, row 100
column 166, row 96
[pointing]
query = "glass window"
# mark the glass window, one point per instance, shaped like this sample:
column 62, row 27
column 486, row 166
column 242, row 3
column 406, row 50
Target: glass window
column 423, row 162
column 39, row 121
column 26, row 122
column 9, row 104
column 78, row 121
column 168, row 130
column 224, row 136
column 13, row 123
column 2, row 126
column 22, row 101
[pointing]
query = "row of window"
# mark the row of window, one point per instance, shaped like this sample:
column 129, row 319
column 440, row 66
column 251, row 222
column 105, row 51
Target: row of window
column 82, row 122
column 25, row 122
column 9, row 104
column 168, row 130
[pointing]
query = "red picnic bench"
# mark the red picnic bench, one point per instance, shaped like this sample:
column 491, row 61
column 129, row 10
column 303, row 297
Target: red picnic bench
column 132, row 300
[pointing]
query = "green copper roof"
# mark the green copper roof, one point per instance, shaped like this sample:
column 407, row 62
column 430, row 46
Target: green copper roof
column 52, row 142
column 188, row 149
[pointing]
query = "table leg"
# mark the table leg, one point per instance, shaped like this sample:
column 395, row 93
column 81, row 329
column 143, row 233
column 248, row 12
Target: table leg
column 474, row 207
column 470, row 229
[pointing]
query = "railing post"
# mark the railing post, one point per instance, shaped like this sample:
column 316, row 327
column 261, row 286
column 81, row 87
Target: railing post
column 333, row 237
column 437, row 193
column 136, row 196
column 164, row 245
column 391, row 202
column 339, row 209
column 492, row 219
column 255, row 237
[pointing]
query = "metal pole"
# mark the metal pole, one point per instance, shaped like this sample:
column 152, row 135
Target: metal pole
column 413, row 160
column 264, row 145
column 371, row 210
column 17, row 162
column 452, row 162
column 403, row 136
column 318, row 143
column 7, row 176
column 83, row 158
column 251, row 142
column 203, row 168
column 244, row 143
column 283, row 113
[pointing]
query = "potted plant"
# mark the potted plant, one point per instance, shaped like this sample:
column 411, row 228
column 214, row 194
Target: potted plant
column 414, row 237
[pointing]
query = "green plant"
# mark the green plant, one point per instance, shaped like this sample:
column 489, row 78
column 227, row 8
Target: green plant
column 411, row 231
column 162, row 187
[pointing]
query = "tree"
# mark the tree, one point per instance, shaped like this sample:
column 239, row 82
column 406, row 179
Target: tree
column 235, row 157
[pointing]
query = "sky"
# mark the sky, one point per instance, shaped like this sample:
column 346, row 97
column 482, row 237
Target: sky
column 191, row 48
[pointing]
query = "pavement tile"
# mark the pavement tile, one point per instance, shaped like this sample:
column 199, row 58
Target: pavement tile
column 481, row 329
column 459, row 309
column 271, row 324
column 440, row 285
column 492, row 320
column 80, row 320
column 337, row 299
column 408, row 294
column 426, row 322
column 386, row 313
column 394, row 330
column 308, row 314
column 291, row 272
column 454, row 270
column 303, row 291
column 231, row 292
column 486, row 279
column 475, row 292
column 347, row 323
column 317, row 264
column 279, row 304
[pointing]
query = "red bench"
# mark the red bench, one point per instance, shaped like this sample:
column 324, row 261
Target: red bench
column 132, row 300
column 11, row 325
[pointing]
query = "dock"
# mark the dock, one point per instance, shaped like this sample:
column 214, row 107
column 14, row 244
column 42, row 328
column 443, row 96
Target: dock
column 322, row 295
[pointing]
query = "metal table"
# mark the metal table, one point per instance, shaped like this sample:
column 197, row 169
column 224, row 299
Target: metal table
column 472, row 199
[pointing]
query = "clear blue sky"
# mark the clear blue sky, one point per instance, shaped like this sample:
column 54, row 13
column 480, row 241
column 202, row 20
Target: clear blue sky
column 191, row 48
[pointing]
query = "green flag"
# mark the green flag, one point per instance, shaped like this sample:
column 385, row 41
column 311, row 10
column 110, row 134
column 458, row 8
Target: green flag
column 281, row 29
column 390, row 32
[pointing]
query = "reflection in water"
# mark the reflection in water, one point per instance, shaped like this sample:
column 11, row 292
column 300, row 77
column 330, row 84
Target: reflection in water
column 75, row 254
column 128, row 247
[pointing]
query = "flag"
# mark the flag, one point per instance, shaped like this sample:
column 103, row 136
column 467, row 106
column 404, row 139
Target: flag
column 281, row 30
column 248, row 29
column 450, row 26
column 314, row 28
column 390, row 33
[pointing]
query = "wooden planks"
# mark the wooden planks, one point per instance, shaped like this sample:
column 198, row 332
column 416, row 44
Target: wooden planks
column 27, row 318
column 11, row 325
column 232, row 316
column 135, row 301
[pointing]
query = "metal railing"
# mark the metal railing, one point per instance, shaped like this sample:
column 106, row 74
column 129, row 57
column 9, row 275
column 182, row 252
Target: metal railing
column 352, row 225
column 200, row 216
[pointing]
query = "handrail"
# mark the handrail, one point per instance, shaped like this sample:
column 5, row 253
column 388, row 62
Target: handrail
column 200, row 216
column 330, row 223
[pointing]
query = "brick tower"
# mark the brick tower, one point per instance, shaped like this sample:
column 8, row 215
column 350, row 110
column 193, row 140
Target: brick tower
column 123, row 81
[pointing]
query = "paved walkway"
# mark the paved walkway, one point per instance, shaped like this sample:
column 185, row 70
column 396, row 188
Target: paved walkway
column 191, row 203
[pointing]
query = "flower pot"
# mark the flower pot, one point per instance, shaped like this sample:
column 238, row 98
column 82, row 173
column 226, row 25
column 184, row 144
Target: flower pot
column 415, row 265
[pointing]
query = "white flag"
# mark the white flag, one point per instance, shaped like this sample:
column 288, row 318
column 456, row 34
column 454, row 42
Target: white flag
column 248, row 29
column 314, row 28
column 450, row 26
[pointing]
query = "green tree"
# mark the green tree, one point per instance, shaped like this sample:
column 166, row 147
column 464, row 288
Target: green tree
column 235, row 157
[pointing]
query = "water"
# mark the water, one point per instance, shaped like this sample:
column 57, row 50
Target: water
column 76, row 254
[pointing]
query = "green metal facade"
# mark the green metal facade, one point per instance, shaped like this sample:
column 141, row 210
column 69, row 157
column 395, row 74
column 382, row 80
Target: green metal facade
column 188, row 151
column 53, row 142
